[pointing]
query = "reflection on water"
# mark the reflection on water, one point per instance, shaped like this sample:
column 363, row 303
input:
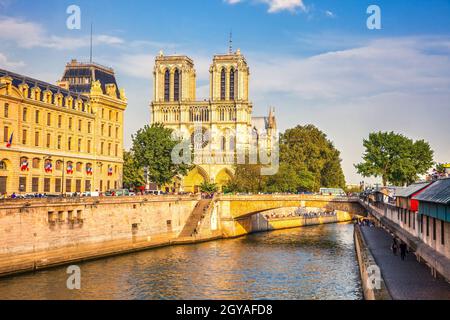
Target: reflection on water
column 306, row 263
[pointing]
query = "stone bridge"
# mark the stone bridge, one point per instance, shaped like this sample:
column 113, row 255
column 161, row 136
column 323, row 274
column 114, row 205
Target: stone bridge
column 241, row 206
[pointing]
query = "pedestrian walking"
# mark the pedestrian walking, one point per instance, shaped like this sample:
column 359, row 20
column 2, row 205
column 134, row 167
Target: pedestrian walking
column 403, row 249
column 394, row 246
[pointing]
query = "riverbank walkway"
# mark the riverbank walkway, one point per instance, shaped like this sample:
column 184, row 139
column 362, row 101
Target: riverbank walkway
column 405, row 280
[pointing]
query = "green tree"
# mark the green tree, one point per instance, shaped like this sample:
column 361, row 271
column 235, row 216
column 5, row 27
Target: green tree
column 395, row 158
column 208, row 187
column 286, row 180
column 308, row 161
column 152, row 148
column 315, row 159
column 133, row 175
column 247, row 178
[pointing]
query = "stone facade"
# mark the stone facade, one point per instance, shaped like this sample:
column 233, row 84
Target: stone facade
column 66, row 138
column 224, row 121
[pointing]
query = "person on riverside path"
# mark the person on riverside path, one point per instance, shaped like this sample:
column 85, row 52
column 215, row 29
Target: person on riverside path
column 403, row 249
column 394, row 246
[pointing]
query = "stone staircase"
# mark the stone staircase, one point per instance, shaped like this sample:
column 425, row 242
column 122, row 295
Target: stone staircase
column 196, row 216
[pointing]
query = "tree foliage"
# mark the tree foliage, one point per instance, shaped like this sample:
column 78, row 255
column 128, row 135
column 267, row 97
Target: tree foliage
column 308, row 161
column 133, row 174
column 395, row 158
column 208, row 187
column 152, row 148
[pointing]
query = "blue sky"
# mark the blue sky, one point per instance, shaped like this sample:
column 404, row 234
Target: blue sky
column 314, row 61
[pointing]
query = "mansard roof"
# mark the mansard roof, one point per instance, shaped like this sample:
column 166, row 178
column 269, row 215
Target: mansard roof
column 90, row 71
column 18, row 79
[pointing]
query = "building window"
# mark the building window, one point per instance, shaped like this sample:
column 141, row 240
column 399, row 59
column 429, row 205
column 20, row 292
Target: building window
column 117, row 116
column 35, row 184
column 89, row 127
column 89, row 146
column 5, row 134
column 48, row 140
column 22, row 184
column 167, row 86
column 36, row 139
column 70, row 123
column 109, row 149
column 36, row 117
column 59, row 142
column 24, row 136
column 80, row 124
column 222, row 84
column 116, row 150
column 59, row 121
column 434, row 229
column 102, row 129
column 36, row 162
column 79, row 145
column 87, row 185
column 78, row 185
column 232, row 84
column 117, row 132
column 103, row 113
column 68, row 185
column 58, row 185
column 46, row 184
column 101, row 147
column 58, row 165
column 176, row 88
column 6, row 111
column 79, row 167
column 2, row 165
column 109, row 131
column 443, row 232
column 24, row 115
column 69, row 143
column 110, row 115
column 49, row 119
column 428, row 226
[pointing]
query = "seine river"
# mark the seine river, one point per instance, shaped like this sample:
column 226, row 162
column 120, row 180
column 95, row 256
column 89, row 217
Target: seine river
column 306, row 263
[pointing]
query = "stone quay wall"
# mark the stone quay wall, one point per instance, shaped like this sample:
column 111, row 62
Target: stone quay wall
column 41, row 233
column 37, row 225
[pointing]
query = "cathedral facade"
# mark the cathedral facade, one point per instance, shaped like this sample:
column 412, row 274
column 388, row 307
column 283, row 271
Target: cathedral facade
column 218, row 127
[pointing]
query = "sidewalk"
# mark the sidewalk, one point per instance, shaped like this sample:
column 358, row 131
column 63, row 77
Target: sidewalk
column 405, row 280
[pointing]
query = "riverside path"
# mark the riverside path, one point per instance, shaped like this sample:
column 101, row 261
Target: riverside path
column 405, row 280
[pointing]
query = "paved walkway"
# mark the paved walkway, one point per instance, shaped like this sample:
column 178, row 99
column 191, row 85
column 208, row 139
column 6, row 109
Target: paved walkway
column 405, row 280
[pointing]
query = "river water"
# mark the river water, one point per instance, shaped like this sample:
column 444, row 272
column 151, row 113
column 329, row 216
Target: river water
column 315, row 262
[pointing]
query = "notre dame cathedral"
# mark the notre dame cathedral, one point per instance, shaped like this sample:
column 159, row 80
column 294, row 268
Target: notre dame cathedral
column 225, row 119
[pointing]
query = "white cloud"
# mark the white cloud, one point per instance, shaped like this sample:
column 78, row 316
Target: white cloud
column 330, row 14
column 399, row 84
column 28, row 35
column 6, row 63
column 276, row 5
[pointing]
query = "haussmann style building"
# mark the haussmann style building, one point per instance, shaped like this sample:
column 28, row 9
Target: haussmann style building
column 61, row 138
column 226, row 116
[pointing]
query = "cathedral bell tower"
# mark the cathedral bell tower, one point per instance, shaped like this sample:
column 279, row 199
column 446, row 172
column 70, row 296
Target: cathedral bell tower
column 174, row 79
column 229, row 76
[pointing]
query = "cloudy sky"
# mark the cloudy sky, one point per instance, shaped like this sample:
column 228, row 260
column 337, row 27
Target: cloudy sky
column 315, row 61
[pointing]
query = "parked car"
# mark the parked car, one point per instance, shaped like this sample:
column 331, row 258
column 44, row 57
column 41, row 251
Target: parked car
column 155, row 192
column 117, row 193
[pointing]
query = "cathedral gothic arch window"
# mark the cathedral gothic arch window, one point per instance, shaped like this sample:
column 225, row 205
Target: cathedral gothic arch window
column 176, row 85
column 233, row 83
column 223, row 84
column 167, row 86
